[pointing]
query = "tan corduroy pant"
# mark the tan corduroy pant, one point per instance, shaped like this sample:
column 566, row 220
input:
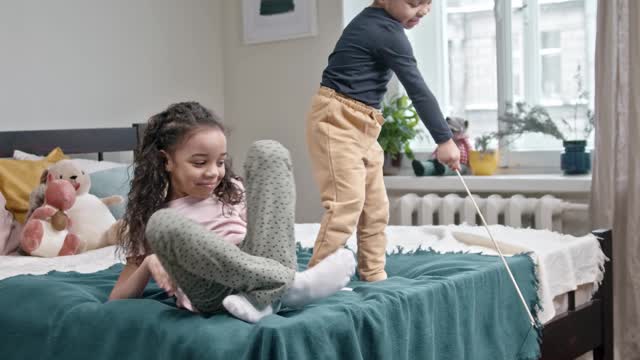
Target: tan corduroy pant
column 347, row 163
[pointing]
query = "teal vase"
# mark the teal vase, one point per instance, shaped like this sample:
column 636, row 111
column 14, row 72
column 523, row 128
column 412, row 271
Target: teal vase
column 575, row 160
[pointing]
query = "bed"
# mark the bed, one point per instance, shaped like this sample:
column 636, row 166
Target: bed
column 435, row 304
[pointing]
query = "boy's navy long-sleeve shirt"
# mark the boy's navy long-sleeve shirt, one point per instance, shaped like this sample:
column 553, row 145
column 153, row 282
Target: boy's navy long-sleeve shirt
column 371, row 46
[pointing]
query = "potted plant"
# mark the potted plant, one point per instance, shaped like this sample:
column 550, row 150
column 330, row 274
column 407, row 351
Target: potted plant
column 399, row 128
column 525, row 118
column 517, row 120
column 575, row 160
column 484, row 159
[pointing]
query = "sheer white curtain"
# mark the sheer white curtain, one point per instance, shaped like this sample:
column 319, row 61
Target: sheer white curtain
column 615, row 199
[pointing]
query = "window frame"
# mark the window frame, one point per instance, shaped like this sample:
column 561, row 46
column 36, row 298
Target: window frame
column 544, row 160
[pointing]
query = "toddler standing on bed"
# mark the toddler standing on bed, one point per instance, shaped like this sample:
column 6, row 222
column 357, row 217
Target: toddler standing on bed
column 191, row 226
column 344, row 123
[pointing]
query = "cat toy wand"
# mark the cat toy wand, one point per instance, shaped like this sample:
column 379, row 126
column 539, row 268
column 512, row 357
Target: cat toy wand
column 513, row 280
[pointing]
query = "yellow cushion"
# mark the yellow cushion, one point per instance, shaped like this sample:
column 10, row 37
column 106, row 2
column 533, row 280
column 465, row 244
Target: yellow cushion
column 19, row 177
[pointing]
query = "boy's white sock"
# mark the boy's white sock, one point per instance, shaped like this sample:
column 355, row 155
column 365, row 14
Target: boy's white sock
column 240, row 307
column 324, row 279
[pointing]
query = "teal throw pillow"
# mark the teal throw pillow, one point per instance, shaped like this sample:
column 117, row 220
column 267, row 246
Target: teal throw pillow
column 115, row 181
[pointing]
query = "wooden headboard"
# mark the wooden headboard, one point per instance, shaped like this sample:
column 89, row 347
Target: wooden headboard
column 72, row 141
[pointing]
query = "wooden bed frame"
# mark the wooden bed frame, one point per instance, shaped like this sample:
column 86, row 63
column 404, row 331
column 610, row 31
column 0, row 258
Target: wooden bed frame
column 72, row 141
column 570, row 334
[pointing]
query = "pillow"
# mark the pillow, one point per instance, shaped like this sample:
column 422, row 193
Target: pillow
column 21, row 155
column 6, row 224
column 92, row 166
column 89, row 166
column 115, row 181
column 19, row 177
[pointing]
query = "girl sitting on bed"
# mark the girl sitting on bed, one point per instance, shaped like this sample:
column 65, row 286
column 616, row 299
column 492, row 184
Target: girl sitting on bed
column 187, row 226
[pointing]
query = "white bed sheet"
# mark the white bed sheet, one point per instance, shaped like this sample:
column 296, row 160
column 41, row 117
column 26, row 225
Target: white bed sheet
column 564, row 262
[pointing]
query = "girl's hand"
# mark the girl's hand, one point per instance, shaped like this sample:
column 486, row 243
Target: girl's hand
column 159, row 274
column 449, row 154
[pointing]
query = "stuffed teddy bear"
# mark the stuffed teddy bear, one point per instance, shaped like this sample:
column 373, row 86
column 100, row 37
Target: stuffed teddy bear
column 90, row 217
column 46, row 232
column 459, row 128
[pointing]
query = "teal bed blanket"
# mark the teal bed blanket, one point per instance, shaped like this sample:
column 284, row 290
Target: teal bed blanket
column 433, row 306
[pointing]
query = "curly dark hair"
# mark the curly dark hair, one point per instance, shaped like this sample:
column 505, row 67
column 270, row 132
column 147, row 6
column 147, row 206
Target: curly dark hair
column 150, row 179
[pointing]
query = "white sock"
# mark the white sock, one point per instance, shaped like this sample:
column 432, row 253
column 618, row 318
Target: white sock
column 240, row 307
column 324, row 279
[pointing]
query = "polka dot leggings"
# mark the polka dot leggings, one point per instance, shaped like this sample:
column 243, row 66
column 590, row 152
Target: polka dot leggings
column 207, row 268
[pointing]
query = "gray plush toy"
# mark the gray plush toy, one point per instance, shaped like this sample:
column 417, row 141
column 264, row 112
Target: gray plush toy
column 459, row 128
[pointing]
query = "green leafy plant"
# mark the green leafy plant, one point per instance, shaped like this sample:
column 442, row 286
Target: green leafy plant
column 524, row 118
column 400, row 127
column 483, row 142
column 517, row 120
column 572, row 126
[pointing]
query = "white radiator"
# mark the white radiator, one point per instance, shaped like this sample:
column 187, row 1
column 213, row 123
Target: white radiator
column 516, row 211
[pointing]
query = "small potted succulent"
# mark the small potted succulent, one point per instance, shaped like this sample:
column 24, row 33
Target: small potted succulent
column 484, row 159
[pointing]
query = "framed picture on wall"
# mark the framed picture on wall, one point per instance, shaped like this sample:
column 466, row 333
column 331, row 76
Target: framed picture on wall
column 274, row 20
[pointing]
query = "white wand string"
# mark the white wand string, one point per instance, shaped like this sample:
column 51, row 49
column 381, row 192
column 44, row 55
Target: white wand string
column 513, row 280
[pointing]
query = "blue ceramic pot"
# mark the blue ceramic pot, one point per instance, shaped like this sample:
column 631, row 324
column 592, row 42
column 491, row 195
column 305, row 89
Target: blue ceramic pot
column 575, row 160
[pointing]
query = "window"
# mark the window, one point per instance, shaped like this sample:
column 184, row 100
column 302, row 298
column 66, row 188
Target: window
column 473, row 89
column 551, row 56
column 477, row 55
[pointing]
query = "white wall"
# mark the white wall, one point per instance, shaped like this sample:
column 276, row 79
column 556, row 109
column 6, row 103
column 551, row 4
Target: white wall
column 268, row 89
column 91, row 63
column 351, row 8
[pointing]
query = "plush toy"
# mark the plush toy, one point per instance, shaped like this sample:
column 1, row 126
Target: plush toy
column 89, row 216
column 459, row 128
column 46, row 233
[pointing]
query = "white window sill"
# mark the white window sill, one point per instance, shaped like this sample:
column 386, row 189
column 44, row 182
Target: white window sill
column 508, row 183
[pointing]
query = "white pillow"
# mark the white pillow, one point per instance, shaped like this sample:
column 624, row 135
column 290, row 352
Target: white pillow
column 21, row 155
column 89, row 166
column 8, row 243
column 92, row 166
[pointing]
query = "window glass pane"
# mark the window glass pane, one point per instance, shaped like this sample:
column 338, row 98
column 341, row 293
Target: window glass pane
column 551, row 60
column 563, row 48
column 471, row 36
